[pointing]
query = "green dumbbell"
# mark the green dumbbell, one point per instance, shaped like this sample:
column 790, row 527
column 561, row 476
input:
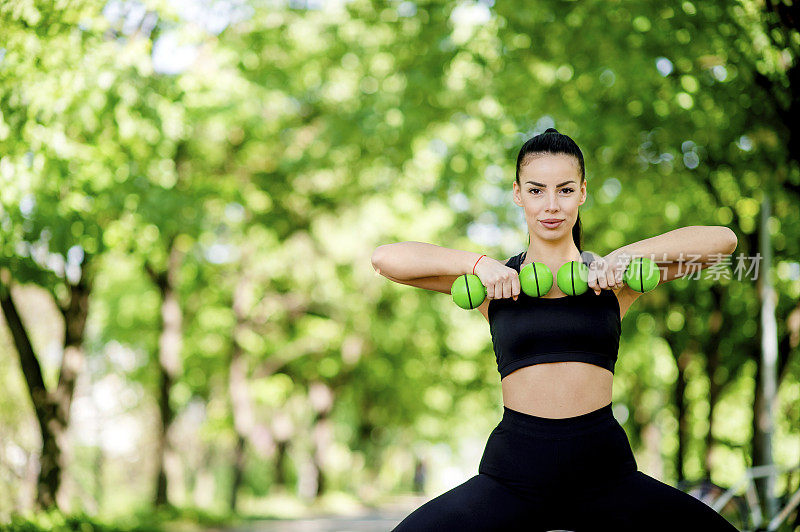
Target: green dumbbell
column 535, row 279
column 468, row 291
column 573, row 277
column 642, row 275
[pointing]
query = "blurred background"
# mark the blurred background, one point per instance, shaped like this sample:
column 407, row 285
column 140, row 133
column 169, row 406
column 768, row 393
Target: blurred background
column 191, row 191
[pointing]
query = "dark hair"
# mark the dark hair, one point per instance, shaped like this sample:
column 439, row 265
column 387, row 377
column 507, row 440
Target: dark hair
column 551, row 141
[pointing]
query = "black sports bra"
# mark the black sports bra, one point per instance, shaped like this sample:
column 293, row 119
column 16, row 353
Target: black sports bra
column 536, row 330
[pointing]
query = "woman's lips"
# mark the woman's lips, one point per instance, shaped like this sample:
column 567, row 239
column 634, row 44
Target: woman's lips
column 551, row 225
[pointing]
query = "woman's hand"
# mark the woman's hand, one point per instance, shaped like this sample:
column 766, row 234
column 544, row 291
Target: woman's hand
column 500, row 280
column 605, row 273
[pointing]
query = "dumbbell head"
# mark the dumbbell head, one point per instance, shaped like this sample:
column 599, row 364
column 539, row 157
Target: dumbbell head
column 642, row 274
column 573, row 277
column 535, row 279
column 468, row 291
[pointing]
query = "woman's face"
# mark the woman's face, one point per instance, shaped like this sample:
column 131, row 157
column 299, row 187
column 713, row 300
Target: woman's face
column 550, row 188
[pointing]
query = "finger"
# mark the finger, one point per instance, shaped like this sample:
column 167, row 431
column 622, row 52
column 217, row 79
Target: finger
column 617, row 277
column 591, row 281
column 515, row 287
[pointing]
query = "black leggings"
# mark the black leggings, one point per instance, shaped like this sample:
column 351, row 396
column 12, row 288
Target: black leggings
column 576, row 473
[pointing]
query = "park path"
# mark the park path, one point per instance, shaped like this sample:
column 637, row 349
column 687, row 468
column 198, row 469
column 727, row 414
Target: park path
column 377, row 520
column 381, row 520
column 371, row 522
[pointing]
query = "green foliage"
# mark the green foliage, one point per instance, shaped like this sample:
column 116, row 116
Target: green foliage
column 301, row 139
column 56, row 521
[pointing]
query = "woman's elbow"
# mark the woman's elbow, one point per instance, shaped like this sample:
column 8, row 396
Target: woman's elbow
column 376, row 257
column 379, row 256
column 733, row 240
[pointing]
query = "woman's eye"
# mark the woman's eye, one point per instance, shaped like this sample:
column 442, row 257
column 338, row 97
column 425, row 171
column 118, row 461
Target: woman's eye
column 537, row 190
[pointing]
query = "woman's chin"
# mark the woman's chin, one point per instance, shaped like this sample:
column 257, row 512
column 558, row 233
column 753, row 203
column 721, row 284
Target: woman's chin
column 551, row 236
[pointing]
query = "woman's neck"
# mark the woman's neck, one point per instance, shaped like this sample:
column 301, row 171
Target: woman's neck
column 562, row 251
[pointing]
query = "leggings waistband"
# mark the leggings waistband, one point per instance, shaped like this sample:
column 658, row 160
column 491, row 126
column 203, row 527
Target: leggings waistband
column 520, row 421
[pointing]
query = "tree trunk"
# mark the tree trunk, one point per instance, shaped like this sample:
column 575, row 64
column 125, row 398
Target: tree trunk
column 243, row 416
column 788, row 343
column 238, row 472
column 169, row 361
column 249, row 431
column 166, row 414
column 779, row 19
column 72, row 363
column 680, row 402
column 321, row 399
column 768, row 371
column 75, row 313
column 322, row 432
column 683, row 355
column 241, row 409
column 712, row 363
column 51, row 409
column 281, row 455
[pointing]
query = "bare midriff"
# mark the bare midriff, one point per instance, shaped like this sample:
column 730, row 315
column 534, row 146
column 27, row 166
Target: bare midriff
column 557, row 389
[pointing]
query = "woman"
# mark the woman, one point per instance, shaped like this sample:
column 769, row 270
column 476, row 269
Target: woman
column 558, row 459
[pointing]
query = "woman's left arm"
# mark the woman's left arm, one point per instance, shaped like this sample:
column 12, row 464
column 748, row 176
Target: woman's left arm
column 703, row 245
column 700, row 243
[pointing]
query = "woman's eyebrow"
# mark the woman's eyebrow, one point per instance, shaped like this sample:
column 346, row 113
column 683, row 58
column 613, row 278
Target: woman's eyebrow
column 545, row 186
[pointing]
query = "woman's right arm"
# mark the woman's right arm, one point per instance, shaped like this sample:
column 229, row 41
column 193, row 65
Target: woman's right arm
column 436, row 268
column 411, row 260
